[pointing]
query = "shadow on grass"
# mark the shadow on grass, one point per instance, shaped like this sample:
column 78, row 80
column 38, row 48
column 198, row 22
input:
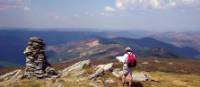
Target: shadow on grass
column 137, row 84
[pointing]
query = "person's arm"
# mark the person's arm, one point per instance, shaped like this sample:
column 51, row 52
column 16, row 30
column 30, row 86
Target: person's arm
column 122, row 59
column 125, row 57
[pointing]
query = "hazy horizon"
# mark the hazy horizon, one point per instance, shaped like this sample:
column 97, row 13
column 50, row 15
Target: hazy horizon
column 92, row 30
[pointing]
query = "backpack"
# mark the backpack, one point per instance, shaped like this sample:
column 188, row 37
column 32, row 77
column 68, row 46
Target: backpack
column 131, row 62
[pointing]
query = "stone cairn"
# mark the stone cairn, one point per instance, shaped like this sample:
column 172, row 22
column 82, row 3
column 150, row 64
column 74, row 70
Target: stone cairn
column 36, row 62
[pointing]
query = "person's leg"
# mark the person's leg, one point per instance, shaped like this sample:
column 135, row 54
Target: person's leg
column 130, row 71
column 130, row 80
column 123, row 79
column 125, row 73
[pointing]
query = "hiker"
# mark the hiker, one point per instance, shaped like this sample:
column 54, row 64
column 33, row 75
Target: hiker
column 128, row 64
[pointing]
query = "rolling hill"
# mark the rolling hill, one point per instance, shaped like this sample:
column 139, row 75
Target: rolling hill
column 148, row 43
column 64, row 45
column 13, row 42
column 100, row 48
column 180, row 39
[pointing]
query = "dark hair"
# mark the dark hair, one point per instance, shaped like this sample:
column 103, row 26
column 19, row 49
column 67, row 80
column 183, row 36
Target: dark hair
column 128, row 51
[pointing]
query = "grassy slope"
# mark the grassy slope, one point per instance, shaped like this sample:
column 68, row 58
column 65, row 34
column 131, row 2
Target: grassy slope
column 166, row 80
column 183, row 73
column 174, row 80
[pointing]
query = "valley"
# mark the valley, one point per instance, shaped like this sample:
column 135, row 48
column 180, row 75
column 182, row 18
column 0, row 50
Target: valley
column 62, row 46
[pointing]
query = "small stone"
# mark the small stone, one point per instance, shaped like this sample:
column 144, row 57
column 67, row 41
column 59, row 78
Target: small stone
column 170, row 63
column 110, row 81
column 36, row 39
column 30, row 64
column 156, row 61
column 30, row 57
column 145, row 63
column 39, row 72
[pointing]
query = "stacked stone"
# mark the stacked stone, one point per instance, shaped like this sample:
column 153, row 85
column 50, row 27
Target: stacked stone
column 36, row 62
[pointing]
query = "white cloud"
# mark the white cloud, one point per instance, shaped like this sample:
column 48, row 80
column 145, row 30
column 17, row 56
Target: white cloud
column 109, row 9
column 13, row 4
column 121, row 4
column 156, row 4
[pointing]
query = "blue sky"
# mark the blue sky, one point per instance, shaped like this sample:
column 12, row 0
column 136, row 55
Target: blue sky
column 159, row 15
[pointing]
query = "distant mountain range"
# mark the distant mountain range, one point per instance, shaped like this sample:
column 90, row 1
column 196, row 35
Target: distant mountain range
column 87, row 49
column 180, row 39
column 148, row 43
column 64, row 45
column 101, row 48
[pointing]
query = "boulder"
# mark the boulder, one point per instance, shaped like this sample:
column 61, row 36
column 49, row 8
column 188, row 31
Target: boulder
column 141, row 76
column 117, row 73
column 137, row 76
column 101, row 69
column 96, row 74
column 109, row 81
column 77, row 67
column 105, row 67
column 11, row 77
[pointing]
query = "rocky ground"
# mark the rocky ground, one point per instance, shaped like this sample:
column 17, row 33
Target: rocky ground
column 151, row 72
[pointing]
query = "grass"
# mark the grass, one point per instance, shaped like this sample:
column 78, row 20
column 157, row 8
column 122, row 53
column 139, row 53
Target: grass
column 182, row 73
column 173, row 80
column 166, row 80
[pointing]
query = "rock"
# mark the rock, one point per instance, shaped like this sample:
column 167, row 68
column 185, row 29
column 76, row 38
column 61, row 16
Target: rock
column 117, row 73
column 109, row 81
column 11, row 77
column 106, row 67
column 92, row 84
column 96, row 74
column 137, row 76
column 145, row 63
column 37, row 65
column 79, row 73
column 170, row 63
column 59, row 83
column 156, row 61
column 101, row 69
column 77, row 67
column 141, row 76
